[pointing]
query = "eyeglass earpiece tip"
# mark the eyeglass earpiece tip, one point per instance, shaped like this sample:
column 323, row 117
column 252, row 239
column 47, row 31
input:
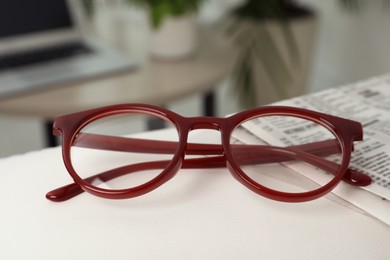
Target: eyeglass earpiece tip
column 64, row 193
column 53, row 197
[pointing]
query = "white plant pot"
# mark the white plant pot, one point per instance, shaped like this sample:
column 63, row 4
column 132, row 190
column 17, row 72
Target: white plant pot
column 304, row 31
column 176, row 38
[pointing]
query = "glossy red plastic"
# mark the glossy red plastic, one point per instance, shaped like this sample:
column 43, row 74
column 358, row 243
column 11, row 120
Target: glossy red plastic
column 69, row 126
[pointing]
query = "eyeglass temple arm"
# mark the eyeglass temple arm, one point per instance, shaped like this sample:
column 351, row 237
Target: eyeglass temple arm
column 125, row 144
column 114, row 143
column 267, row 154
column 73, row 189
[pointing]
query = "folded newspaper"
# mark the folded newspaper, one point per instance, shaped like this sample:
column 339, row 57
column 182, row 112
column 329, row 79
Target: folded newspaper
column 369, row 103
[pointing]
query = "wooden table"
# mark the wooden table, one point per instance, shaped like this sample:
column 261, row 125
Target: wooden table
column 154, row 82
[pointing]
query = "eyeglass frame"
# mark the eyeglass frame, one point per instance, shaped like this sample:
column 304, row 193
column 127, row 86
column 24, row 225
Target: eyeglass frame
column 345, row 130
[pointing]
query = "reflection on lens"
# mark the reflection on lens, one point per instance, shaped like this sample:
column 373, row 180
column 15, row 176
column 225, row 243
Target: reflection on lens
column 285, row 153
column 111, row 153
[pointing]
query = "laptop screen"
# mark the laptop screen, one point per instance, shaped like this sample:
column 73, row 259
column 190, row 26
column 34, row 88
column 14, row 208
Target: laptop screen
column 20, row 17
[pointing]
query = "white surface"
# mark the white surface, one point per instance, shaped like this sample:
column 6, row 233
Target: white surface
column 199, row 214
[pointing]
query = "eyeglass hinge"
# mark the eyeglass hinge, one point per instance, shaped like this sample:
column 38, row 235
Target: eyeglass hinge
column 57, row 132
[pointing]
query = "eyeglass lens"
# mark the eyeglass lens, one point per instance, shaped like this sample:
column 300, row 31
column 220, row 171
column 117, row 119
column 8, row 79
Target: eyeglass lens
column 109, row 154
column 288, row 145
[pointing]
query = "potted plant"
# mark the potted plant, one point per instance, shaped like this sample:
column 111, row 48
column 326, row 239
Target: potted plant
column 174, row 30
column 172, row 22
column 274, row 40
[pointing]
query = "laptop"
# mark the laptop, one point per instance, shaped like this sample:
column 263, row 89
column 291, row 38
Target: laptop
column 42, row 45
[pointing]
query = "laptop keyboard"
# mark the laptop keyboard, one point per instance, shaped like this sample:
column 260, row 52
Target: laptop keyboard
column 42, row 55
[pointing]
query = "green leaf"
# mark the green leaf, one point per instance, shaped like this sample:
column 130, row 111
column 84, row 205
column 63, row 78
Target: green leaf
column 88, row 7
column 158, row 12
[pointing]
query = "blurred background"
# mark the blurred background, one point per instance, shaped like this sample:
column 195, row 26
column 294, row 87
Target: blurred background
column 281, row 49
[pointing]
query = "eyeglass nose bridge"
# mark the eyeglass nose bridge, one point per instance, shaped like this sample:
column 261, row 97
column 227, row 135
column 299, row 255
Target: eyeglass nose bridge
column 211, row 123
column 203, row 123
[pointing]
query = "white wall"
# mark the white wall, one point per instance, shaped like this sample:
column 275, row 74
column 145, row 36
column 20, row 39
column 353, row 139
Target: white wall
column 351, row 45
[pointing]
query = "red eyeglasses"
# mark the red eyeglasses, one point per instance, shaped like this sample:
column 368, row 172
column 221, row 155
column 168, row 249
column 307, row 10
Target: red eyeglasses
column 106, row 158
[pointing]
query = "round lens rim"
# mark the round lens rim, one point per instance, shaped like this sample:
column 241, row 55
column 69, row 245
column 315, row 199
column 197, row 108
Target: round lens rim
column 86, row 118
column 273, row 194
